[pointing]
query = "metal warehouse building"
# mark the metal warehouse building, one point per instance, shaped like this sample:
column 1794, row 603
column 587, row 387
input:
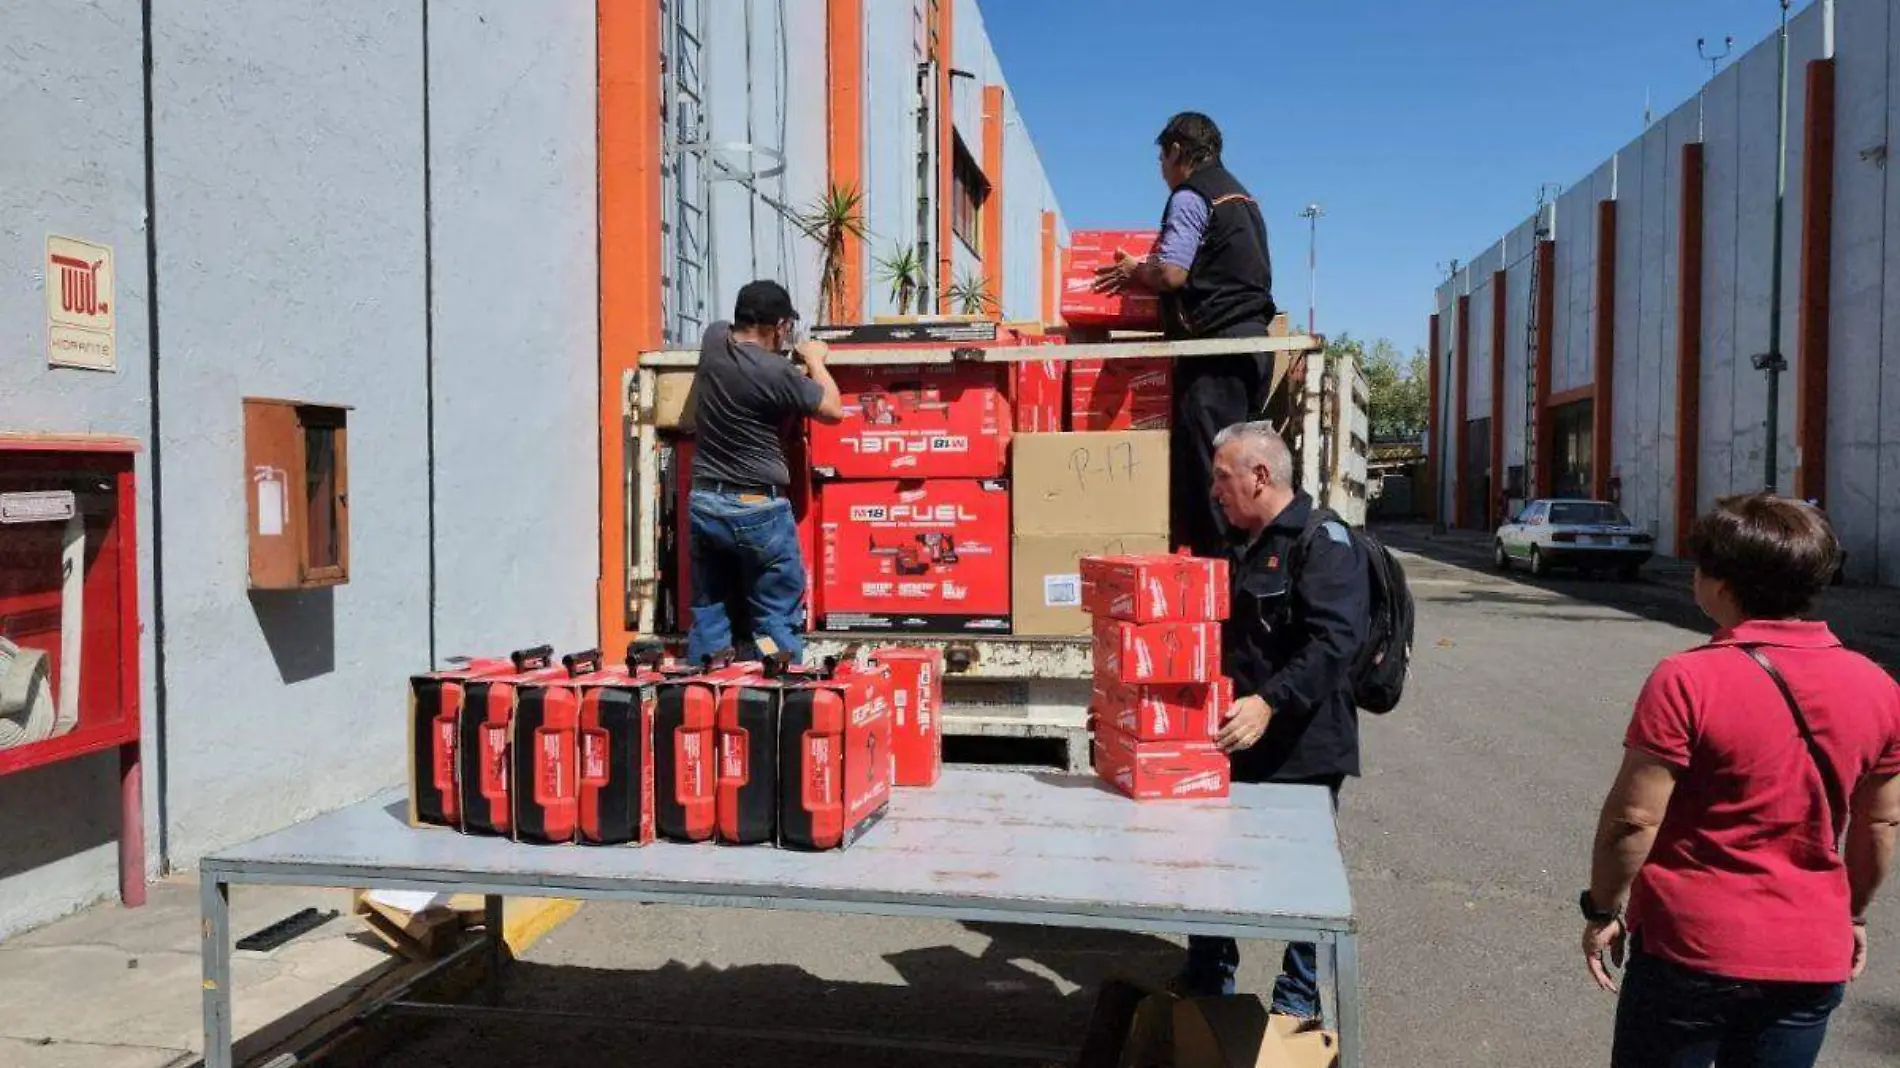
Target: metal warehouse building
column 453, row 225
column 1612, row 337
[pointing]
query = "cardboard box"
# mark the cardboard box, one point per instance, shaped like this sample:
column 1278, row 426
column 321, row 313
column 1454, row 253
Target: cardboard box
column 1168, row 712
column 835, row 758
column 1047, row 591
column 907, row 332
column 1121, row 394
column 672, row 394
column 1161, row 771
column 1238, row 1032
column 1082, row 306
column 1157, row 652
column 1155, row 587
column 916, row 713
column 927, row 421
column 1039, row 392
column 1089, row 483
column 927, row 556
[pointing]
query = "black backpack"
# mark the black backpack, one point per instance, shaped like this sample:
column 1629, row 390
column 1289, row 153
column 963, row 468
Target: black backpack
column 1385, row 660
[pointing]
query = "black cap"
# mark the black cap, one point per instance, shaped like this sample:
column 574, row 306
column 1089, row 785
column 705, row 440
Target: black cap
column 763, row 303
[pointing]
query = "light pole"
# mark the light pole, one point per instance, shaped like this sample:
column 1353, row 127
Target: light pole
column 1771, row 362
column 1312, row 215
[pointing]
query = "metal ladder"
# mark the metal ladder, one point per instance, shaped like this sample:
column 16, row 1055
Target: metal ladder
column 1533, row 328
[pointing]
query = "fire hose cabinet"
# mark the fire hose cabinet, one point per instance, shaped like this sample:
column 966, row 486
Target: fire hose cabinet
column 297, row 458
column 69, row 616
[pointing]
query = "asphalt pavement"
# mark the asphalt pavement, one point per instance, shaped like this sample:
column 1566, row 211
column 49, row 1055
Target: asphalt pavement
column 1468, row 839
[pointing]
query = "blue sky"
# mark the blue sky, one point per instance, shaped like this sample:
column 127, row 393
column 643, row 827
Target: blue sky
column 1424, row 128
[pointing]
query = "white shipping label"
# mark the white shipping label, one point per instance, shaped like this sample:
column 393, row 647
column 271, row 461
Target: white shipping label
column 1062, row 591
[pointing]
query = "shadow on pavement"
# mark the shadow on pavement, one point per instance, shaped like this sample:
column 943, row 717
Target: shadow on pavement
column 1029, row 987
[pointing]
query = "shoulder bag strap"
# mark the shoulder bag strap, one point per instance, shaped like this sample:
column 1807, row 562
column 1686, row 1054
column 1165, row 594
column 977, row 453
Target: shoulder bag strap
column 1830, row 785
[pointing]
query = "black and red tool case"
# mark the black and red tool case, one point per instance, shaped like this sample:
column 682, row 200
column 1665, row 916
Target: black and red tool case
column 685, row 748
column 834, row 757
column 436, row 700
column 484, row 732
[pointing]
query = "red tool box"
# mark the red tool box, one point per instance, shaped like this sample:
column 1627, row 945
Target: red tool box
column 1157, row 652
column 435, row 710
column 1163, row 712
column 616, row 748
column 486, row 729
column 928, row 421
column 748, row 737
column 1121, row 394
column 1161, row 771
column 544, row 754
column 916, row 713
column 685, row 747
column 1082, row 306
column 835, row 757
column 917, row 556
column 1155, row 587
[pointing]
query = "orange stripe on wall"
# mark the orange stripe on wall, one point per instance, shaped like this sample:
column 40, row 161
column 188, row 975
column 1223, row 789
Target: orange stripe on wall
column 627, row 57
column 844, row 126
column 1546, row 298
column 1048, row 267
column 1602, row 425
column 946, row 149
column 1688, row 346
column 1435, row 448
column 1500, row 289
column 993, row 207
column 1462, row 387
column 1817, row 228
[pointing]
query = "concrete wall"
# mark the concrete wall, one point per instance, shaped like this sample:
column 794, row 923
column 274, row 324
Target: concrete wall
column 74, row 165
column 894, row 46
column 290, row 171
column 1734, row 118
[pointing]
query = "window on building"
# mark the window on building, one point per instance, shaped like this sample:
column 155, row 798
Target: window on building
column 971, row 192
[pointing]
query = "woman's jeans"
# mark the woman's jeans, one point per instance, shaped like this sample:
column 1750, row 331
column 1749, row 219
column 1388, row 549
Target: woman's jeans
column 1674, row 1017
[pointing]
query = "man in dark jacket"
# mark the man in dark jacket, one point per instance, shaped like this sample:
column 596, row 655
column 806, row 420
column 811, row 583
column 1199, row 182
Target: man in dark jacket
column 1301, row 596
column 1214, row 275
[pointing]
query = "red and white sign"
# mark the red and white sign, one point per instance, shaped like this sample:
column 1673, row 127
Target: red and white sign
column 80, row 321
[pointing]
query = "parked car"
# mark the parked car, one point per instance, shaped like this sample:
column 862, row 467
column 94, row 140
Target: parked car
column 1581, row 534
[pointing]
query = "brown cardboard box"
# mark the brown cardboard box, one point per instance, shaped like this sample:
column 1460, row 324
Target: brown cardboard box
column 1089, row 483
column 1237, row 1032
column 672, row 389
column 1045, row 579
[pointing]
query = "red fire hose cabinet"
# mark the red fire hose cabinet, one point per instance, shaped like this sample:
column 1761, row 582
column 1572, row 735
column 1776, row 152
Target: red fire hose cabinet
column 69, row 617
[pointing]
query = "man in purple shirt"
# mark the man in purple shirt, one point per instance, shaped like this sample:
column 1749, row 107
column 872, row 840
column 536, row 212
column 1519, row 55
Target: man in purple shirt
column 1214, row 274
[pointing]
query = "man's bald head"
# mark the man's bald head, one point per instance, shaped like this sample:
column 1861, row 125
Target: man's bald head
column 1253, row 474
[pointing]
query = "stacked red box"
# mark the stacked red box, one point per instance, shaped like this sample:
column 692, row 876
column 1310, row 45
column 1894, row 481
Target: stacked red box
column 948, row 420
column 1039, row 393
column 1159, row 696
column 914, row 556
column 1082, row 306
column 916, row 713
column 1121, row 394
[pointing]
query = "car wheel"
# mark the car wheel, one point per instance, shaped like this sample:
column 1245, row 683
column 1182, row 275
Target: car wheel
column 1499, row 558
column 1538, row 566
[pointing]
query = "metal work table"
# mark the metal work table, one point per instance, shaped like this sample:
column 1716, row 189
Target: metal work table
column 1004, row 847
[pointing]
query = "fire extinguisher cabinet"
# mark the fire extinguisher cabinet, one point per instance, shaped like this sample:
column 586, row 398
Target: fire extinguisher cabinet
column 69, row 618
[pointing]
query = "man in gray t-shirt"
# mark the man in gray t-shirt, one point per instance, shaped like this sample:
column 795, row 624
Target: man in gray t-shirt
column 746, row 395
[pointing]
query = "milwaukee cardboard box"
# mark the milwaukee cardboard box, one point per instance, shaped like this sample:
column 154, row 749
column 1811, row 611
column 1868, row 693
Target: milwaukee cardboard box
column 1040, row 395
column 835, row 758
column 1163, row 712
column 1047, row 588
column 929, row 421
column 916, row 713
column 436, row 701
column 1161, row 771
column 1121, row 394
column 1155, row 587
column 1082, row 306
column 1157, row 652
column 914, row 556
column 485, row 732
column 1091, row 483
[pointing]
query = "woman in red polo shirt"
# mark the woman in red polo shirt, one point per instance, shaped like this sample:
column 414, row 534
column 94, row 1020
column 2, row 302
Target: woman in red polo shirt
column 1720, row 857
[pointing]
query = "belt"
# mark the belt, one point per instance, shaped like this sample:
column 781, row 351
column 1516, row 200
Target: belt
column 737, row 489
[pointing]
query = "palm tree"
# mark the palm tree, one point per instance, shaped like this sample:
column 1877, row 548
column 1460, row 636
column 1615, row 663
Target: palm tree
column 971, row 295
column 832, row 220
column 905, row 273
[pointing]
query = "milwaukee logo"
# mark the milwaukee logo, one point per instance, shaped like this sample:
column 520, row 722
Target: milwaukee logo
column 869, row 711
column 1159, row 596
column 1204, row 782
column 731, row 757
column 911, row 513
column 553, row 768
column 692, row 762
column 880, row 444
column 594, row 757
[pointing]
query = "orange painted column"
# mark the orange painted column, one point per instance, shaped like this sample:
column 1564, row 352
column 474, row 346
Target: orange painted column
column 1050, row 288
column 993, row 207
column 1817, row 246
column 1546, row 298
column 844, row 127
column 1462, row 374
column 1500, row 288
column 1435, row 450
column 627, row 54
column 946, row 150
column 1604, row 329
column 1688, row 346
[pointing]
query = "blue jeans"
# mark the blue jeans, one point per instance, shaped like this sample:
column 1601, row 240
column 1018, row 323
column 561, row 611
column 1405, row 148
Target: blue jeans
column 1213, row 961
column 1669, row 1016
column 746, row 566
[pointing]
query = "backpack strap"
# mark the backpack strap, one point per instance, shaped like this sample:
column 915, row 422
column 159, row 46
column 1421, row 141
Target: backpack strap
column 1830, row 784
column 1316, row 519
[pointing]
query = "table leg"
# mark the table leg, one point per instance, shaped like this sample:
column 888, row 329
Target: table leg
column 1351, row 1048
column 1327, row 961
column 494, row 923
column 214, row 910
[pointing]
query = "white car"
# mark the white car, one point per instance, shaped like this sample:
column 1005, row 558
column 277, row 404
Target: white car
column 1581, row 534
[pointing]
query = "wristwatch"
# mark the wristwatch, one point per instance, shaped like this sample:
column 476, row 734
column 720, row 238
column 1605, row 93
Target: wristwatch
column 1591, row 912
